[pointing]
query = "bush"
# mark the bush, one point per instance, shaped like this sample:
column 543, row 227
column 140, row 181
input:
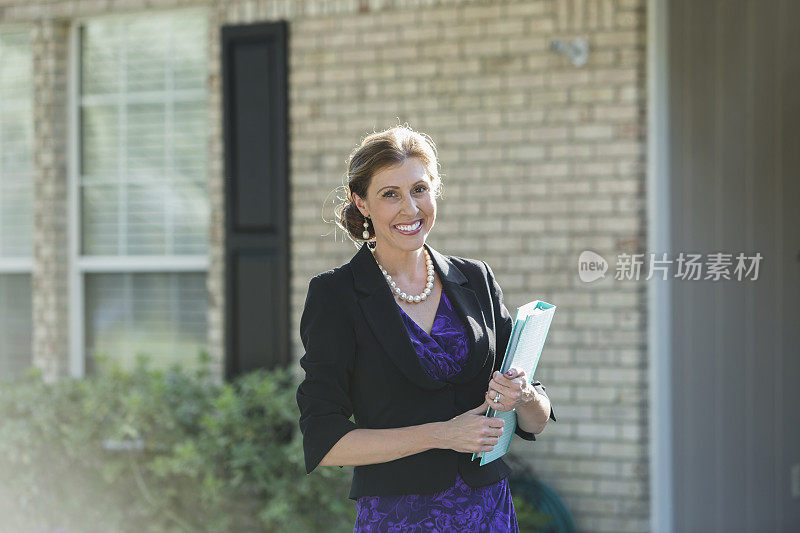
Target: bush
column 161, row 451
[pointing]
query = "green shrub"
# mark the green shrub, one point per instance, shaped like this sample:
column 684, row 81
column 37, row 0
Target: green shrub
column 529, row 518
column 202, row 457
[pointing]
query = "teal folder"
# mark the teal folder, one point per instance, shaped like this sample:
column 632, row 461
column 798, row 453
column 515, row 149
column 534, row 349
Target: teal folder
column 528, row 334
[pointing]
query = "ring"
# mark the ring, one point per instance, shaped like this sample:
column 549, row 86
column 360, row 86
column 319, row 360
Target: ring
column 497, row 398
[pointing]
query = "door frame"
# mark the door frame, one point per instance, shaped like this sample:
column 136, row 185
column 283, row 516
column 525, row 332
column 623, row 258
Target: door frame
column 659, row 301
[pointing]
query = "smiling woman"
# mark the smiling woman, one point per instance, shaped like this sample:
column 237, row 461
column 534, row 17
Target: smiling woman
column 406, row 339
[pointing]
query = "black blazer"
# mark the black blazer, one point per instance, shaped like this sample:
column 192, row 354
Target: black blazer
column 359, row 360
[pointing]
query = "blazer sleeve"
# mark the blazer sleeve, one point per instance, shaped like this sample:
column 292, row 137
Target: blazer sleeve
column 324, row 394
column 504, row 323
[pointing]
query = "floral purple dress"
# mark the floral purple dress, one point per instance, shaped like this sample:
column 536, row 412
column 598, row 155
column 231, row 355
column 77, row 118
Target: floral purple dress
column 460, row 507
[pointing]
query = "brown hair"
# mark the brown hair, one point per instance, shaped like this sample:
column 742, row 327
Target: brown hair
column 378, row 151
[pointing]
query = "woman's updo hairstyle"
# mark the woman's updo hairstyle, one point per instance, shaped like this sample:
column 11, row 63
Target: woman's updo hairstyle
column 378, row 151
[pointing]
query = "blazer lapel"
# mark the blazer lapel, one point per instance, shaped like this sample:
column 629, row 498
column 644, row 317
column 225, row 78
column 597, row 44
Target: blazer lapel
column 383, row 316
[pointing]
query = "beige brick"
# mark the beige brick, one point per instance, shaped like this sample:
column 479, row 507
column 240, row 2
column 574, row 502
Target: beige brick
column 325, row 39
column 529, row 81
column 572, row 151
column 384, row 36
column 616, row 113
column 551, row 244
column 637, row 5
column 619, row 186
column 542, row 134
column 619, row 375
column 527, row 152
column 439, row 50
column 577, row 448
column 608, row 57
column 621, row 148
column 573, row 375
column 593, row 205
column 461, row 32
column 416, row 32
column 504, row 27
column 480, row 84
column 631, row 57
column 594, row 131
column 631, row 93
column 529, row 44
column 573, row 187
column 592, row 94
column 620, row 487
column 481, row 12
column 484, row 47
column 596, row 431
column 616, row 75
column 614, row 39
column 337, row 75
column 525, row 9
column 507, row 135
column 405, row 54
column 594, row 168
column 578, row 485
column 567, row 78
column 548, row 97
column 594, row 318
column 460, row 67
column 570, row 115
column 541, row 25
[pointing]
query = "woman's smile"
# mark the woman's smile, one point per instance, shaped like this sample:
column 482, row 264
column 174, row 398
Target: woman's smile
column 409, row 229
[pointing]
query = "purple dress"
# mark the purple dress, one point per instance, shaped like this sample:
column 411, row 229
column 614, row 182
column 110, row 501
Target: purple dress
column 460, row 507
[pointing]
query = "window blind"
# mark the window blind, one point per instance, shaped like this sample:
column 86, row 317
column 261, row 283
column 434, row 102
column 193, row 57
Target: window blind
column 16, row 324
column 143, row 113
column 160, row 315
column 16, row 144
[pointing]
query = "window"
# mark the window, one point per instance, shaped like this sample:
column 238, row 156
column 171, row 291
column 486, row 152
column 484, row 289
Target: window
column 142, row 210
column 16, row 215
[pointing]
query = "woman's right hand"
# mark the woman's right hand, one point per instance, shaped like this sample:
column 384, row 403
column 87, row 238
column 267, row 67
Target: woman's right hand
column 472, row 431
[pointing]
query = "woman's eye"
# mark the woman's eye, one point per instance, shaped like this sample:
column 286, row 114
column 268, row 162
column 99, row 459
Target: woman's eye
column 421, row 188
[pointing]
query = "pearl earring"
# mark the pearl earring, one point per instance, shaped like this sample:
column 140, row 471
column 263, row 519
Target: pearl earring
column 365, row 234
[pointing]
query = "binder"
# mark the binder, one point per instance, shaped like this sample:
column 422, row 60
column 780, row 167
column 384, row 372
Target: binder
column 528, row 334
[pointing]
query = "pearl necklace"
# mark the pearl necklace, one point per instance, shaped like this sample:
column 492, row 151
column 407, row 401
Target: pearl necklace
column 398, row 292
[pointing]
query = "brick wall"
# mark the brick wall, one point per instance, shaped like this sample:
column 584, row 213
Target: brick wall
column 541, row 160
column 49, row 276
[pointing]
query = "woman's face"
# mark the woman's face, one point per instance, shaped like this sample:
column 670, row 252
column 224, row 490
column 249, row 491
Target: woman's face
column 401, row 195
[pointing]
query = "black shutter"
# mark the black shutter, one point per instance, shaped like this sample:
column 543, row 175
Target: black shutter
column 254, row 90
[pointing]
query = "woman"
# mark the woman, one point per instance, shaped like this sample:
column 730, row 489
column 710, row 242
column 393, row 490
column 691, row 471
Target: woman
column 410, row 342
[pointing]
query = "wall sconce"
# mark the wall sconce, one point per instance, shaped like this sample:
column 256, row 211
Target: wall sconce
column 577, row 51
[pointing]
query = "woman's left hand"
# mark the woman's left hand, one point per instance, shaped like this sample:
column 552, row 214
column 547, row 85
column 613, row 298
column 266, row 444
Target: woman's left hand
column 514, row 390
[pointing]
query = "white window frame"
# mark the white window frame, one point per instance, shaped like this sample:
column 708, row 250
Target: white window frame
column 79, row 266
column 16, row 265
